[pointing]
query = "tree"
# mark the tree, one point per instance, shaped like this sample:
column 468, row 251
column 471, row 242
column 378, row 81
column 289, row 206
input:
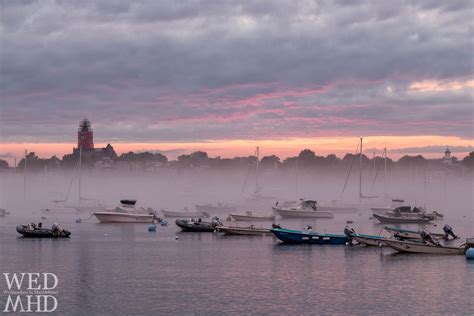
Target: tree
column 468, row 161
column 270, row 162
column 4, row 165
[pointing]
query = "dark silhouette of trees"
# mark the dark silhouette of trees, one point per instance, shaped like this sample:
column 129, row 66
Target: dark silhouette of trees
column 4, row 165
column 270, row 162
column 468, row 161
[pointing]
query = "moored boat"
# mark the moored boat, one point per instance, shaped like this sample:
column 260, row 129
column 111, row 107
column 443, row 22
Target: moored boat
column 38, row 232
column 402, row 233
column 389, row 219
column 185, row 213
column 427, row 248
column 219, row 208
column 126, row 213
column 305, row 209
column 190, row 225
column 250, row 217
column 249, row 231
column 308, row 237
column 368, row 240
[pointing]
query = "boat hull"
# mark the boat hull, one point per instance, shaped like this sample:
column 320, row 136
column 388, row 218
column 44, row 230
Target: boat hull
column 303, row 237
column 251, row 218
column 247, row 231
column 303, row 214
column 337, row 209
column 401, row 220
column 413, row 247
column 400, row 233
column 182, row 214
column 40, row 233
column 215, row 209
column 197, row 227
column 111, row 217
column 369, row 240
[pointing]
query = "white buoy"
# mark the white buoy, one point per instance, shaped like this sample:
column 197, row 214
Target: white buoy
column 176, row 237
column 105, row 235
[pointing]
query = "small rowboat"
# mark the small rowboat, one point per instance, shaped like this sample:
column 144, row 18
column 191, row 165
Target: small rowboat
column 42, row 232
column 249, row 231
column 249, row 217
column 428, row 248
column 308, row 237
column 401, row 219
column 369, row 240
column 401, row 233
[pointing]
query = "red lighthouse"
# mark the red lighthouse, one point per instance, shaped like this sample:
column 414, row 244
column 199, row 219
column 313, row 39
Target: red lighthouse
column 85, row 136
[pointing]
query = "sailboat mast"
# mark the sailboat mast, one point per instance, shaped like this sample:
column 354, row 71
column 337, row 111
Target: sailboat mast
column 80, row 172
column 258, row 158
column 360, row 170
column 385, row 172
column 24, row 176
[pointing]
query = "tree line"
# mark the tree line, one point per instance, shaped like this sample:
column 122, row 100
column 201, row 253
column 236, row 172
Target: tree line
column 306, row 159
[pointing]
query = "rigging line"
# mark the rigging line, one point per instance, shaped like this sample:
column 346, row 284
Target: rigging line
column 375, row 178
column 349, row 173
column 247, row 177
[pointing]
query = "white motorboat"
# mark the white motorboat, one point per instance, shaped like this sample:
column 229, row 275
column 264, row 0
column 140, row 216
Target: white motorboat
column 250, row 217
column 305, row 209
column 126, row 213
column 219, row 208
column 337, row 207
column 185, row 213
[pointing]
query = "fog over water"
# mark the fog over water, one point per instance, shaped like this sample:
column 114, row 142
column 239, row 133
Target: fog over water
column 450, row 194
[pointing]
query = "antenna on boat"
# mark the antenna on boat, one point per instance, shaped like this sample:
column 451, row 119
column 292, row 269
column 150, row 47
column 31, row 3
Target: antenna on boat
column 258, row 156
column 360, row 171
column 385, row 173
column 24, row 176
column 80, row 172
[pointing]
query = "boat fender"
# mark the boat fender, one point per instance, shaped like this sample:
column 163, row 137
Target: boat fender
column 470, row 254
column 152, row 228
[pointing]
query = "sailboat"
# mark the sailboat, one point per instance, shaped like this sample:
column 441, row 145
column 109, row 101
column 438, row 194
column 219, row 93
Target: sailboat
column 257, row 194
column 249, row 215
column 85, row 205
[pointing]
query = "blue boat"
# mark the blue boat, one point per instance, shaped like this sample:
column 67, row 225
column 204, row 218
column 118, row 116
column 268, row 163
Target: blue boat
column 308, row 237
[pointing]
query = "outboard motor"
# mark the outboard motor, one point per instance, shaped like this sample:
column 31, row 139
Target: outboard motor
column 216, row 221
column 426, row 236
column 448, row 231
column 349, row 231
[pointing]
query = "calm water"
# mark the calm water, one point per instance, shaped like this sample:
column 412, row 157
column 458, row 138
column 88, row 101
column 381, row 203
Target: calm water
column 111, row 269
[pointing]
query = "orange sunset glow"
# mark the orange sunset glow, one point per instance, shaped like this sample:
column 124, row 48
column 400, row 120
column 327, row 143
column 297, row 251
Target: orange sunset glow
column 231, row 148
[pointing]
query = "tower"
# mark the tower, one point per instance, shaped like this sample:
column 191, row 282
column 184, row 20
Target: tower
column 447, row 156
column 85, row 135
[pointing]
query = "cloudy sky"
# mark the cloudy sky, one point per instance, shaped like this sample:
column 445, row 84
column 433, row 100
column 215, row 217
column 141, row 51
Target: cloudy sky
column 227, row 75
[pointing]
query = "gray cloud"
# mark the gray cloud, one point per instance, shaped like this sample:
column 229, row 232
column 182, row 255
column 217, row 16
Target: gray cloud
column 197, row 70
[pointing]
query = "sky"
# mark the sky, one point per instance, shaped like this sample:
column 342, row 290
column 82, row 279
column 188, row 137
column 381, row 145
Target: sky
column 226, row 76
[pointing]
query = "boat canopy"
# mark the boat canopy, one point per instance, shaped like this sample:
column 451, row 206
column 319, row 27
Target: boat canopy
column 128, row 202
